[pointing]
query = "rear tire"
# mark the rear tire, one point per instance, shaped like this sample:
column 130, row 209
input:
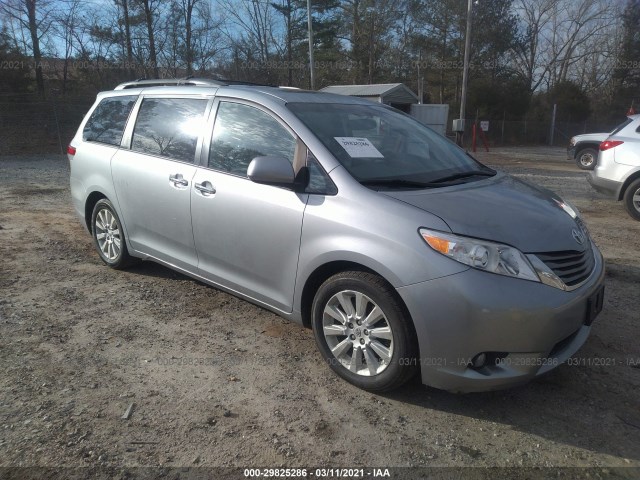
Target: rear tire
column 587, row 158
column 632, row 199
column 363, row 332
column 108, row 236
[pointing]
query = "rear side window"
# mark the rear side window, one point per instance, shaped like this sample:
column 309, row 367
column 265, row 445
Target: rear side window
column 241, row 133
column 621, row 126
column 169, row 127
column 108, row 120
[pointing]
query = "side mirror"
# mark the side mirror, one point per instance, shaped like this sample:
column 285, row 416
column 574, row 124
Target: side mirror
column 271, row 170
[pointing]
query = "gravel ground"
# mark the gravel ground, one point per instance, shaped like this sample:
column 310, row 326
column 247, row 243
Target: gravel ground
column 216, row 381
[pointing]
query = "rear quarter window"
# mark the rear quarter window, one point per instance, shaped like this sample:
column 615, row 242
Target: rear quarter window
column 108, row 120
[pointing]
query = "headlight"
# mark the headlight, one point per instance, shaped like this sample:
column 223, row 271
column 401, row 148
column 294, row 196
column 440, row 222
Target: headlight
column 568, row 208
column 487, row 256
column 574, row 213
column 572, row 142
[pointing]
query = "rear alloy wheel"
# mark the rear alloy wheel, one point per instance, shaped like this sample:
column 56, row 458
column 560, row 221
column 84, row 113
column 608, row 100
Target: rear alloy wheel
column 363, row 332
column 632, row 199
column 587, row 158
column 108, row 236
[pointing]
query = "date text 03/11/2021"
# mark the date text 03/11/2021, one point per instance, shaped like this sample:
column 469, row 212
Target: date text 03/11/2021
column 317, row 472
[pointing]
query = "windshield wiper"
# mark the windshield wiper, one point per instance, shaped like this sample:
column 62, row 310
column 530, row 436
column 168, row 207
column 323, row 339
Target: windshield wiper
column 395, row 182
column 461, row 175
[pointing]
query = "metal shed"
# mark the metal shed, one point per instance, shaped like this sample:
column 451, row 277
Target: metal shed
column 397, row 95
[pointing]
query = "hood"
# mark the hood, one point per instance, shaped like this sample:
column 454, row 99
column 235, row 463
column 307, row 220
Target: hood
column 502, row 209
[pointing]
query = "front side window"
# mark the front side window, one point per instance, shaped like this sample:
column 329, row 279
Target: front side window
column 241, row 133
column 318, row 182
column 108, row 120
column 169, row 127
column 380, row 146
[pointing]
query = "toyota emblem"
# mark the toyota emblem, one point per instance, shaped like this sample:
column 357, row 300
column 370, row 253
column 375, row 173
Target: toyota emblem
column 577, row 236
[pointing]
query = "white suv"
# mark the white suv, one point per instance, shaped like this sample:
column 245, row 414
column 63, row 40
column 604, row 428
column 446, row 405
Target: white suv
column 618, row 169
column 584, row 149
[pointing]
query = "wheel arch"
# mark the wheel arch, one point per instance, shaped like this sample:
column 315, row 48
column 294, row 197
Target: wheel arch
column 628, row 181
column 325, row 271
column 582, row 145
column 89, row 205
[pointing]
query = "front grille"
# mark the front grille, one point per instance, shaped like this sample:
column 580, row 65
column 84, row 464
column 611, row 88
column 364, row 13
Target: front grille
column 571, row 266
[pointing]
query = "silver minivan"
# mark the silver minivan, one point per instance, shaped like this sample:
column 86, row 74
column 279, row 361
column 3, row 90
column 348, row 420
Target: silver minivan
column 402, row 252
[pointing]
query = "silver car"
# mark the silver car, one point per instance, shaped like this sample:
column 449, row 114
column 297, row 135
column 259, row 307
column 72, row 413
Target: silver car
column 618, row 170
column 403, row 253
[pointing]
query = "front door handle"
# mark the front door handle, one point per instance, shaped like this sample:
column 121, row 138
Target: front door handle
column 178, row 180
column 205, row 188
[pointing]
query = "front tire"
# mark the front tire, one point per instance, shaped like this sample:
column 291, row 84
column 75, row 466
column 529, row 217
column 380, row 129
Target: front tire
column 363, row 332
column 108, row 236
column 632, row 199
column 587, row 158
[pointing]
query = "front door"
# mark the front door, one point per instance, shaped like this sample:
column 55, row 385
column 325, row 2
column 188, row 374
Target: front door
column 247, row 235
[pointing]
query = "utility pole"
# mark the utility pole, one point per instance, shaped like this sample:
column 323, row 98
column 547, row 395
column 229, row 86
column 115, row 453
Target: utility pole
column 465, row 76
column 419, row 78
column 312, row 67
column 553, row 124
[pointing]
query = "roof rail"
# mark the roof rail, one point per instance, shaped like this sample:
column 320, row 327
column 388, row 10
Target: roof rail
column 190, row 81
column 163, row 82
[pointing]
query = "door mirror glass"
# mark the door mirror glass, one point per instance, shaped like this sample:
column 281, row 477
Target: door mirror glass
column 271, row 170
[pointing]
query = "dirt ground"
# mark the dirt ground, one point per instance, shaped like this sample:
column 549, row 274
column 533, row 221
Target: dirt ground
column 219, row 382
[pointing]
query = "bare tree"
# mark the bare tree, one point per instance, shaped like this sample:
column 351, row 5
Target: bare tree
column 530, row 56
column 187, row 9
column 66, row 23
column 206, row 38
column 580, row 30
column 126, row 25
column 256, row 24
column 149, row 12
column 32, row 16
column 561, row 37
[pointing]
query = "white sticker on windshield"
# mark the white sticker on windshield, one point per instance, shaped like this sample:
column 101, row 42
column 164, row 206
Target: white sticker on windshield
column 358, row 147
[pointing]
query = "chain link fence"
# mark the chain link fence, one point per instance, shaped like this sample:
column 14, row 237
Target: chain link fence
column 523, row 132
column 32, row 126
column 29, row 125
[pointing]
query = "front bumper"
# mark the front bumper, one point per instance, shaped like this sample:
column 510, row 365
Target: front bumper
column 571, row 152
column 536, row 327
column 604, row 185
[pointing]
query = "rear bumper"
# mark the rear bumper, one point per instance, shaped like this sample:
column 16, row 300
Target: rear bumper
column 535, row 327
column 604, row 185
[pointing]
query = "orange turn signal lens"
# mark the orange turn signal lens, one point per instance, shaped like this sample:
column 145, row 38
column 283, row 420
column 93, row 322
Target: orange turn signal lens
column 438, row 244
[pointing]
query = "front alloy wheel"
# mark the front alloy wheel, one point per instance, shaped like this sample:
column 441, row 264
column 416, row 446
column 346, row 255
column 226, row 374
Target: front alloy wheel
column 364, row 332
column 358, row 333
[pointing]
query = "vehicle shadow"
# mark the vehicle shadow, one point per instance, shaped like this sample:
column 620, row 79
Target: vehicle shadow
column 559, row 407
column 152, row 269
column 591, row 402
column 591, row 406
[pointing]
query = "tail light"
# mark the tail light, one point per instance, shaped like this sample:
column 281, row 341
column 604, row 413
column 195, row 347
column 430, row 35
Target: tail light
column 71, row 150
column 607, row 144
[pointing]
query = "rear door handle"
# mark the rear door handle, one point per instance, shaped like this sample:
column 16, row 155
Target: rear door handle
column 205, row 188
column 178, row 180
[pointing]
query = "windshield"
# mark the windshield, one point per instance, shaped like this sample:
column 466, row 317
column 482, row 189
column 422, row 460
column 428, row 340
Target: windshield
column 380, row 145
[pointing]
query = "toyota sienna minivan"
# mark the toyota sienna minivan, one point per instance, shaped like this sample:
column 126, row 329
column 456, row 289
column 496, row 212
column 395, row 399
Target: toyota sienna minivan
column 398, row 249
